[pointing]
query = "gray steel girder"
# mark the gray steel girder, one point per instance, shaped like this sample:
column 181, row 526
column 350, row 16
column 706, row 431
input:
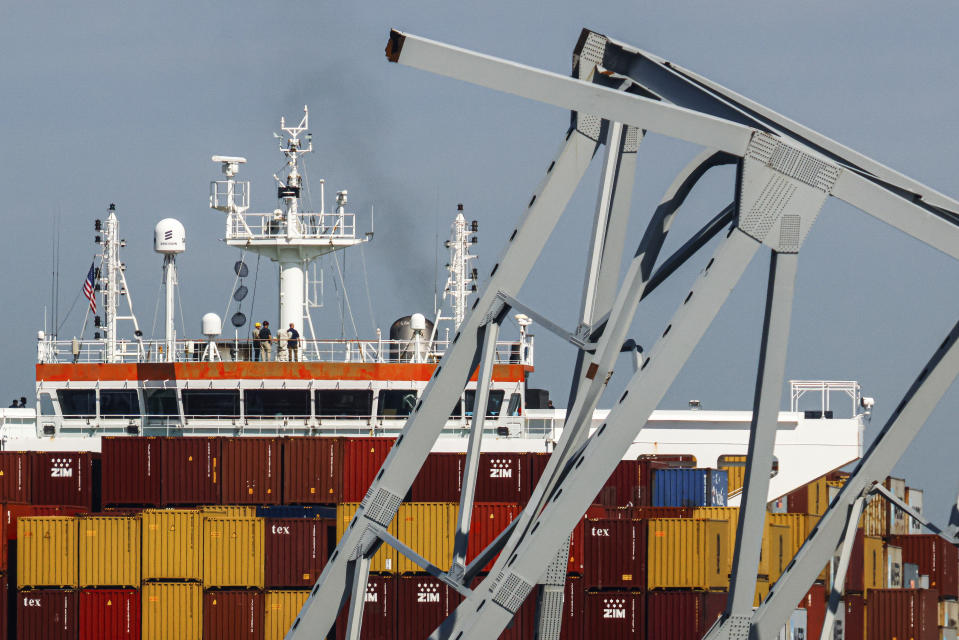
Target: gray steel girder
column 839, row 577
column 486, row 613
column 906, row 421
column 424, row 425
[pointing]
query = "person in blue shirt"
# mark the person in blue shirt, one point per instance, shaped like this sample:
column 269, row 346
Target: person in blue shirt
column 293, row 343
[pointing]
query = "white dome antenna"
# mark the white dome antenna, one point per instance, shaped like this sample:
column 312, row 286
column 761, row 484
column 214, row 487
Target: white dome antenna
column 211, row 328
column 229, row 165
column 169, row 239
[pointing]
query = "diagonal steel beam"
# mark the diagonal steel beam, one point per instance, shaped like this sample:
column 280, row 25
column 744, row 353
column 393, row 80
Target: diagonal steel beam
column 762, row 441
column 488, row 610
column 903, row 425
column 568, row 93
column 428, row 418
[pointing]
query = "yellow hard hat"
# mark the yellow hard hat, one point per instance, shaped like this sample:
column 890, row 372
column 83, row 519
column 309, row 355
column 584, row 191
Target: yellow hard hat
column 257, row 324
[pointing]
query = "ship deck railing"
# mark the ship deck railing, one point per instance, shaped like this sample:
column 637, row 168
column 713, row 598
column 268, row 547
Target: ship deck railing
column 51, row 351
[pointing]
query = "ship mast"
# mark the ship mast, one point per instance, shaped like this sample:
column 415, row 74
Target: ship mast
column 288, row 236
column 461, row 277
column 113, row 283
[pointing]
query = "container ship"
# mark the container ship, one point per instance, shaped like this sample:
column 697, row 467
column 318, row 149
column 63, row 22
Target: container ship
column 186, row 488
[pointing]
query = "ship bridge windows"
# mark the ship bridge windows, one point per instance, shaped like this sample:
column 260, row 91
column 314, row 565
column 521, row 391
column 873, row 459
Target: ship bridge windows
column 276, row 402
column 493, row 405
column 211, row 402
column 119, row 403
column 344, row 403
column 160, row 402
column 77, row 403
column 396, row 402
column 46, row 405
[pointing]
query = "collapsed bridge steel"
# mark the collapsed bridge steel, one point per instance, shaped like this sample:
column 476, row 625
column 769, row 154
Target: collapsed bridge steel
column 785, row 173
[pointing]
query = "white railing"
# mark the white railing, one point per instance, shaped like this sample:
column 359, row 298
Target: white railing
column 309, row 226
column 243, row 350
column 824, row 389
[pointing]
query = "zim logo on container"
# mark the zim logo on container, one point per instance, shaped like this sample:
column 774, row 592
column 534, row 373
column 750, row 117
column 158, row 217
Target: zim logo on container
column 371, row 595
column 500, row 468
column 614, row 608
column 428, row 593
column 62, row 468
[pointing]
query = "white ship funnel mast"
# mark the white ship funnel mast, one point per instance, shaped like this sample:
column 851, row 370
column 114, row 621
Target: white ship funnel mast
column 288, row 236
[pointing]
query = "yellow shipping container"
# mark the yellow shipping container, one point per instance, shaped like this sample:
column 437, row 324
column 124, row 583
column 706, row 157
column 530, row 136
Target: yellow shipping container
column 109, row 551
column 735, row 468
column 800, row 524
column 233, row 552
column 47, row 552
column 818, row 496
column 688, row 554
column 429, row 528
column 875, row 517
column 777, row 547
column 229, row 511
column 172, row 610
column 171, row 544
column 729, row 515
column 874, row 569
column 282, row 608
column 762, row 590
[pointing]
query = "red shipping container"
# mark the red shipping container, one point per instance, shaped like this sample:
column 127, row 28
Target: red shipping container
column 250, row 471
column 640, row 513
column 190, row 471
column 855, row 573
column 681, row 615
column 612, row 615
column 16, row 476
column 936, row 558
column 362, row 459
column 902, row 613
column 854, row 625
column 312, row 470
column 109, row 614
column 379, row 610
column 131, row 471
column 488, row 521
column 65, row 478
column 614, row 554
column 573, row 610
column 440, row 479
column 622, row 486
column 422, row 603
column 503, row 477
column 233, row 615
column 47, row 615
column 814, row 602
column 295, row 551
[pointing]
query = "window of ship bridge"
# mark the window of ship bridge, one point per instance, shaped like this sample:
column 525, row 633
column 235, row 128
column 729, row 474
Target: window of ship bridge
column 276, row 402
column 119, row 403
column 396, row 402
column 211, row 402
column 160, row 402
column 78, row 403
column 344, row 402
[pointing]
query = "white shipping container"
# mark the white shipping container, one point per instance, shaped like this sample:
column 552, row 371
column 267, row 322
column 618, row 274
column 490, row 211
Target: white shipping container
column 893, row 567
column 897, row 518
column 914, row 500
column 795, row 629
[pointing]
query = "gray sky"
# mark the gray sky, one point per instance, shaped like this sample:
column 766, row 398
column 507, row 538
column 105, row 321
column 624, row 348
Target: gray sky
column 125, row 103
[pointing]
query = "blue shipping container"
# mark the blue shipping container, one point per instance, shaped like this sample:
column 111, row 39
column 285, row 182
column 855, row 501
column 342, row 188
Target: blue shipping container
column 690, row 487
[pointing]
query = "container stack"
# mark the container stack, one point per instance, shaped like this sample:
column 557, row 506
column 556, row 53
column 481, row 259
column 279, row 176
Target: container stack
column 212, row 538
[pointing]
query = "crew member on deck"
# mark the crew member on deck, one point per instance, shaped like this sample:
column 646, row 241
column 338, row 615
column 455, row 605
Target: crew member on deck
column 265, row 337
column 256, row 341
column 293, row 343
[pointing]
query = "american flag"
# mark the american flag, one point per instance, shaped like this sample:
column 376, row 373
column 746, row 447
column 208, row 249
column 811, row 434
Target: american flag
column 88, row 289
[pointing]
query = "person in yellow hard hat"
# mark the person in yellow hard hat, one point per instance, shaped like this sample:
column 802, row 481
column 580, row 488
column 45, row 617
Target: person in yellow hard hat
column 256, row 341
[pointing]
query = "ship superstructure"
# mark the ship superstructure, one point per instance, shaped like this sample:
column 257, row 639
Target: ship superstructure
column 218, row 385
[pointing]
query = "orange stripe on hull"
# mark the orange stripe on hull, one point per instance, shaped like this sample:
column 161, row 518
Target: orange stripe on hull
column 89, row 372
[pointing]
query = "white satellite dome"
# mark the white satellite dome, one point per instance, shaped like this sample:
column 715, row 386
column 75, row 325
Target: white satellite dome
column 418, row 322
column 211, row 325
column 169, row 237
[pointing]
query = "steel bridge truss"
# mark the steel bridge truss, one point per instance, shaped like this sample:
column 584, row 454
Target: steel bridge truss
column 785, row 172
